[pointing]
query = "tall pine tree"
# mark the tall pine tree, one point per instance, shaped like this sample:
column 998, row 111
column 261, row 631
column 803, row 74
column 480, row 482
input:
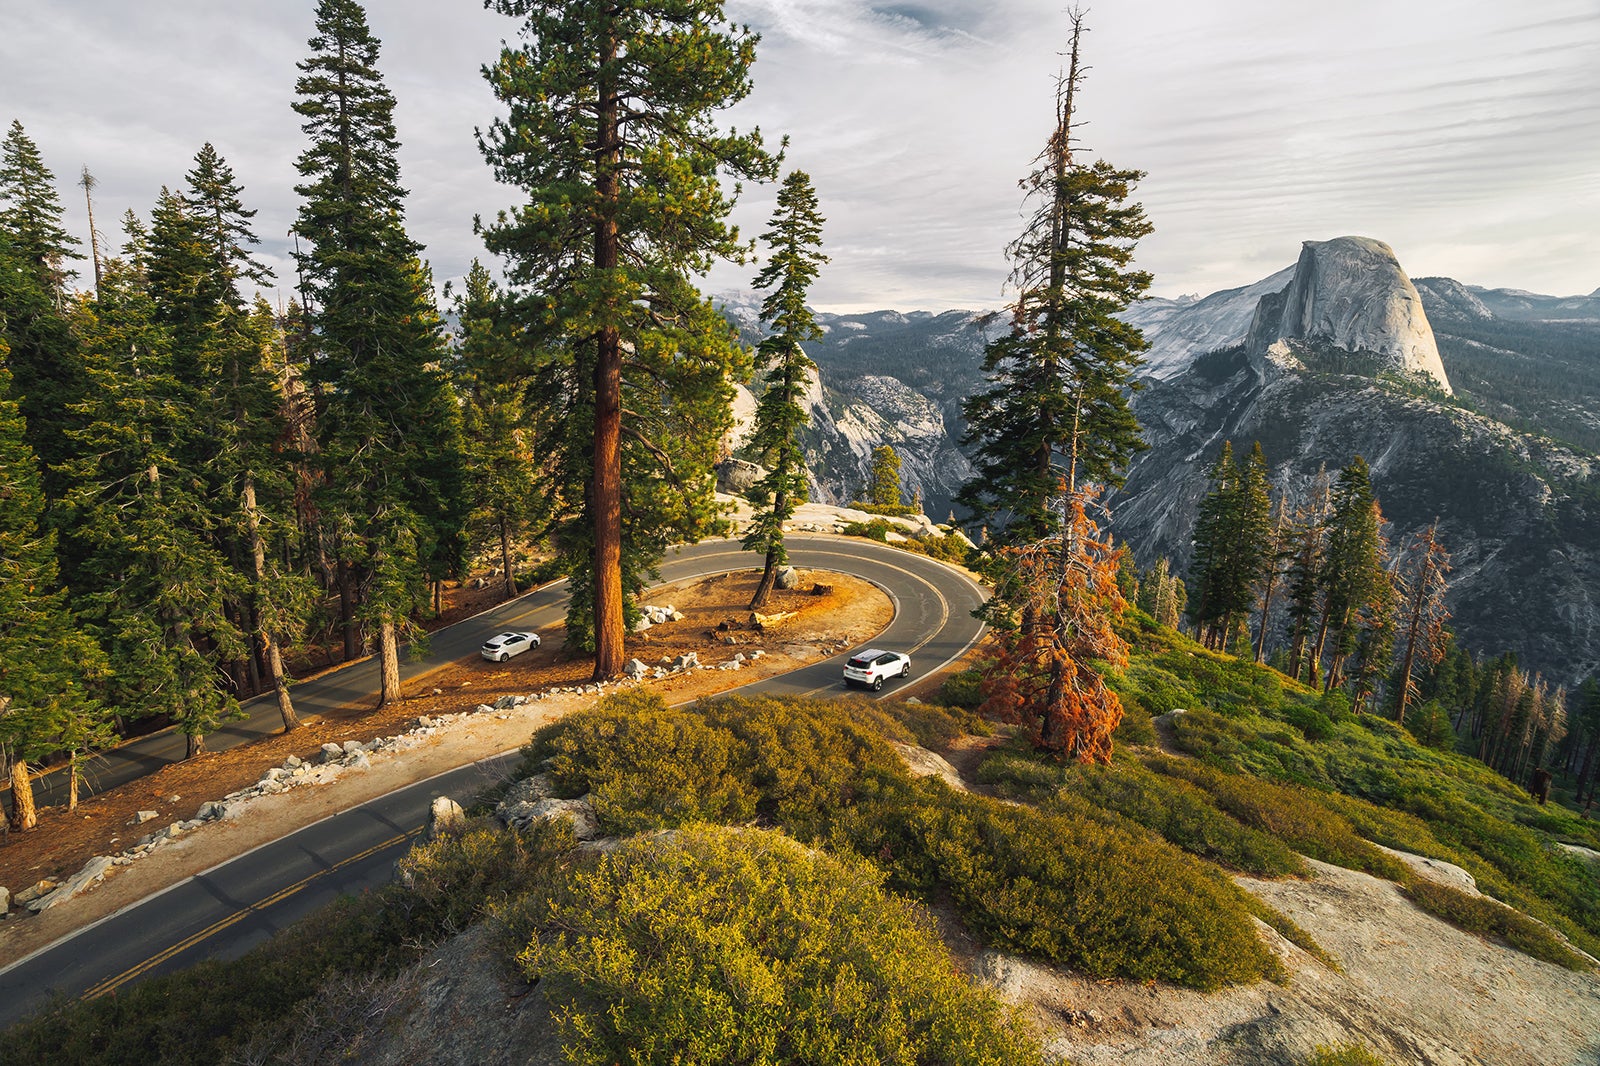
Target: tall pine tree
column 388, row 425
column 504, row 424
column 48, row 665
column 795, row 239
column 612, row 133
column 1056, row 412
column 47, row 375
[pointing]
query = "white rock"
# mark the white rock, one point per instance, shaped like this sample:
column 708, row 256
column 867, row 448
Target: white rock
column 444, row 816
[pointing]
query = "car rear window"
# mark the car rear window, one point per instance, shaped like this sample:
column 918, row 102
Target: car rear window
column 860, row 663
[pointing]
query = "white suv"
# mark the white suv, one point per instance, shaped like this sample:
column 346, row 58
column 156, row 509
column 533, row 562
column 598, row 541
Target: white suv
column 500, row 648
column 870, row 667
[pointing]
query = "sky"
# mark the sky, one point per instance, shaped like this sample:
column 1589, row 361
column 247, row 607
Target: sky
column 1465, row 134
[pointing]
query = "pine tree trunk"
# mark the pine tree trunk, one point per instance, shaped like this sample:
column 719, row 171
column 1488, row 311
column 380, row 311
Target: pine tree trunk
column 1582, row 786
column 1266, row 611
column 388, row 664
column 347, row 613
column 280, row 684
column 606, row 491
column 24, row 815
column 258, row 554
column 73, row 777
column 769, row 578
column 195, row 745
column 505, row 560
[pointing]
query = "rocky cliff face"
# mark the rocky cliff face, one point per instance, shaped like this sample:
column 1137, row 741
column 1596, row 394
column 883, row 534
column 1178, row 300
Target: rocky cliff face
column 1512, row 471
column 1519, row 513
column 1350, row 294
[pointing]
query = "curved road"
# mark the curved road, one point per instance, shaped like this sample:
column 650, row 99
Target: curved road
column 225, row 911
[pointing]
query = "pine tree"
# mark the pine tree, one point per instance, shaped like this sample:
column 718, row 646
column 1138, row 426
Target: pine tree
column 1162, row 594
column 1308, row 557
column 1056, row 412
column 1422, row 587
column 48, row 665
column 883, row 485
column 795, row 239
column 612, row 133
column 1354, row 566
column 1233, row 544
column 388, row 425
column 1279, row 555
column 154, row 585
column 501, row 421
column 1213, row 538
column 47, row 375
column 1053, row 609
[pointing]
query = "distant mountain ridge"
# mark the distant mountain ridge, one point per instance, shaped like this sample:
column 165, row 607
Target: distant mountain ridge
column 1358, row 361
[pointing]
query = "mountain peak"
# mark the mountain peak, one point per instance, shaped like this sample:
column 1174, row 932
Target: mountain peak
column 1350, row 293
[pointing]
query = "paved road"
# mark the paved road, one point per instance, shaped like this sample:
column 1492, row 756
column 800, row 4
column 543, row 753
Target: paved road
column 227, row 910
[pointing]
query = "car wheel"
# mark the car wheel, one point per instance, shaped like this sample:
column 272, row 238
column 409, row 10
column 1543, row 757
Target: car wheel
column 877, row 683
column 504, row 656
column 905, row 671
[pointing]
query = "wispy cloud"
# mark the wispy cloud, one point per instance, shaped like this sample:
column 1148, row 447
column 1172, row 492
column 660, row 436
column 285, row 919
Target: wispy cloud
column 1465, row 134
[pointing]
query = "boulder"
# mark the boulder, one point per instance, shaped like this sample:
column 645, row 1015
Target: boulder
column 483, row 708
column 635, row 669
column 332, row 753
column 523, row 814
column 35, row 891
column 5, row 899
column 445, row 816
column 142, row 817
column 352, row 747
column 505, row 703
column 735, row 477
column 787, row 577
column 687, row 661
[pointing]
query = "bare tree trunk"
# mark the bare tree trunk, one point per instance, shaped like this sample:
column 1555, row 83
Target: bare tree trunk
column 769, row 578
column 24, row 815
column 73, row 777
column 347, row 613
column 505, row 559
column 389, row 664
column 1266, row 611
column 196, row 745
column 258, row 552
column 605, row 496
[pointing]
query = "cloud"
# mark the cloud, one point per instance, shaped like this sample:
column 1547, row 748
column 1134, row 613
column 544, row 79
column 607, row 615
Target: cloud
column 1462, row 133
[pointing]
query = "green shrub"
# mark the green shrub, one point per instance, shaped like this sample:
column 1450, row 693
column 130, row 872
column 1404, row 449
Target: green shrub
column 1296, row 816
column 962, row 690
column 645, row 765
column 1069, row 888
column 1488, row 918
column 877, row 529
column 722, row 945
column 935, row 725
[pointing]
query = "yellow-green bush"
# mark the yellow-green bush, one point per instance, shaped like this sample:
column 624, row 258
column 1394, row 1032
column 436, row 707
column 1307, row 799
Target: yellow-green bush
column 742, row 946
column 1488, row 918
column 645, row 765
column 1343, row 1055
column 1296, row 816
column 1110, row 901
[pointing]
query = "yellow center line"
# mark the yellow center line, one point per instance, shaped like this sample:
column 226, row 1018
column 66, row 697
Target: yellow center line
column 111, row 984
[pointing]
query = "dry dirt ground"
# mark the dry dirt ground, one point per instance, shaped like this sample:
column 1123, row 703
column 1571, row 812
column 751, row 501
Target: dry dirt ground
column 851, row 614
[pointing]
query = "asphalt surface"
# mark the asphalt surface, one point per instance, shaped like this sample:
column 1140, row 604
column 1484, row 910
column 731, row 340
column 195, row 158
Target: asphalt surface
column 223, row 912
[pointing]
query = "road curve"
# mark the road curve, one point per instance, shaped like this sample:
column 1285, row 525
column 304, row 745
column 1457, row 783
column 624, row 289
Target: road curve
column 223, row 912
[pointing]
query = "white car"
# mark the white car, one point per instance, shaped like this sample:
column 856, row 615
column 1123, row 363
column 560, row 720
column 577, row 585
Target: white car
column 499, row 648
column 870, row 667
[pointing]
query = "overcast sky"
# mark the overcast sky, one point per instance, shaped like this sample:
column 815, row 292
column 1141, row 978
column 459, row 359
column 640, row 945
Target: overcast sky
column 1465, row 134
